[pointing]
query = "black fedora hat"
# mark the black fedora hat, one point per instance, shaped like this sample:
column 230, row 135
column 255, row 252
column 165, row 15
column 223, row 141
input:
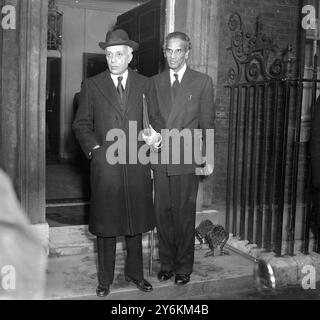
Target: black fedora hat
column 116, row 38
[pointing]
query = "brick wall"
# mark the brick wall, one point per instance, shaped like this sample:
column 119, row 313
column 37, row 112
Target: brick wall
column 280, row 18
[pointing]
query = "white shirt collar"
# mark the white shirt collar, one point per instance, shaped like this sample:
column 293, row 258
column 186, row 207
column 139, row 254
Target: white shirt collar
column 180, row 74
column 115, row 77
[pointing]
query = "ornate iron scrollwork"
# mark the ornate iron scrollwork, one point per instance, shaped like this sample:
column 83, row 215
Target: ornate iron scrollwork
column 256, row 55
column 54, row 27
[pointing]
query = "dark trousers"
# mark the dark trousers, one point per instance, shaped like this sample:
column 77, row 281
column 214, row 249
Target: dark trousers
column 107, row 255
column 175, row 208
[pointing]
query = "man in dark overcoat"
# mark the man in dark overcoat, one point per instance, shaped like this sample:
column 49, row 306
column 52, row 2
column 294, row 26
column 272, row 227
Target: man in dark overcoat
column 107, row 124
column 185, row 99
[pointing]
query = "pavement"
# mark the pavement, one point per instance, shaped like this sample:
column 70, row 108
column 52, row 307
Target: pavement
column 72, row 274
column 228, row 277
column 74, row 277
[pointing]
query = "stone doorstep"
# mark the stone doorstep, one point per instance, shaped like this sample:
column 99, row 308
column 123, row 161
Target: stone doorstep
column 287, row 270
column 65, row 241
column 71, row 240
column 79, row 243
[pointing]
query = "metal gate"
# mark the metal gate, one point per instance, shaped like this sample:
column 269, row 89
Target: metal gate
column 268, row 179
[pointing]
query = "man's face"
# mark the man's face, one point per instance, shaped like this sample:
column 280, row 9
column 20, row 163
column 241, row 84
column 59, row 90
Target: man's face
column 118, row 58
column 176, row 54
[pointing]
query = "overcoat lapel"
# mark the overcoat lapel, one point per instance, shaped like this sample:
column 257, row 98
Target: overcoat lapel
column 182, row 97
column 108, row 89
column 165, row 92
column 133, row 92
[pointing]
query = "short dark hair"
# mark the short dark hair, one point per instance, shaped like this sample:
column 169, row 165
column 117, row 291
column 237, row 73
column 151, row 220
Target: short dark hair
column 178, row 35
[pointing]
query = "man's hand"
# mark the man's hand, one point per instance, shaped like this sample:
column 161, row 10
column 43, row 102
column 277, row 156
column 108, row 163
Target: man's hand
column 207, row 170
column 151, row 137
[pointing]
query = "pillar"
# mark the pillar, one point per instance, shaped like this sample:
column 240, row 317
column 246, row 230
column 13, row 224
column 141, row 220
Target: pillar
column 200, row 21
column 22, row 97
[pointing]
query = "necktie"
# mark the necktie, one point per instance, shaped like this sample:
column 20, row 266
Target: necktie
column 175, row 85
column 120, row 88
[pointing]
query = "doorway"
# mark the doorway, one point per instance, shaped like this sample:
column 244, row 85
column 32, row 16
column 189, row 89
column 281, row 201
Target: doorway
column 67, row 180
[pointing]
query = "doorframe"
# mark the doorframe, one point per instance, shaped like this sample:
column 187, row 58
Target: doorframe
column 22, row 120
column 170, row 16
column 33, row 57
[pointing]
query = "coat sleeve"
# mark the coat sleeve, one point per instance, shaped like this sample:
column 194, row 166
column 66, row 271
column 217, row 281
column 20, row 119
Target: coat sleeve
column 315, row 145
column 207, row 115
column 83, row 123
column 155, row 117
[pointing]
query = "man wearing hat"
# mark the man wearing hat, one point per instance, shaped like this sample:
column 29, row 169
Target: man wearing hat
column 121, row 192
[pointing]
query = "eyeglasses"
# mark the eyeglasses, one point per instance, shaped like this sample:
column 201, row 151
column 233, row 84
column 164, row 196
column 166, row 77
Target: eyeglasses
column 178, row 52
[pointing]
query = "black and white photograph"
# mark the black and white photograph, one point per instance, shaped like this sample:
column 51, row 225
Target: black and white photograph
column 159, row 156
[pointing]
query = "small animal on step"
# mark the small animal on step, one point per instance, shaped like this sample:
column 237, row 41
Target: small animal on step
column 212, row 234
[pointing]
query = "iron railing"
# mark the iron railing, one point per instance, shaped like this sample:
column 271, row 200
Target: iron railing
column 268, row 199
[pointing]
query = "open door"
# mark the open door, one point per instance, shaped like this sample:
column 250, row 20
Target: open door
column 53, row 109
column 146, row 25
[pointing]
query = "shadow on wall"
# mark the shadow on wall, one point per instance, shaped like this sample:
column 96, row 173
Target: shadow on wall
column 23, row 259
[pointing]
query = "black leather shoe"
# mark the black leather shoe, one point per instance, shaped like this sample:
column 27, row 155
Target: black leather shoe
column 102, row 291
column 182, row 279
column 143, row 285
column 165, row 275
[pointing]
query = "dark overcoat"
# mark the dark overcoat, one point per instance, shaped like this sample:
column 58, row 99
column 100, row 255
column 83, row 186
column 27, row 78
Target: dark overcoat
column 121, row 193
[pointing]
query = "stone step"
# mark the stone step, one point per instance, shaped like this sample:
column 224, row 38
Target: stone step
column 71, row 240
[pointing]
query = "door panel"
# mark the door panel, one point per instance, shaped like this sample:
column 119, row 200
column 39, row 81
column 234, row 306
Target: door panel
column 148, row 60
column 145, row 24
column 127, row 21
